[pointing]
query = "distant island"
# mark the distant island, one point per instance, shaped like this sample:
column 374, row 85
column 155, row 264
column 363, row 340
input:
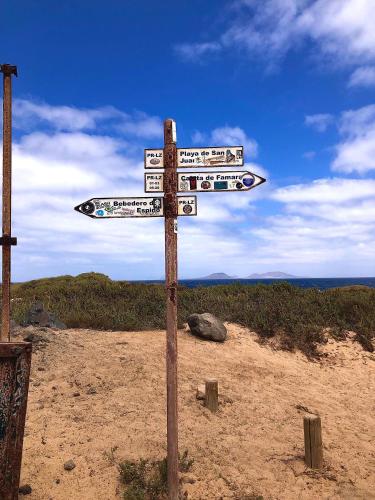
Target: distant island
column 271, row 275
column 254, row 276
column 218, row 276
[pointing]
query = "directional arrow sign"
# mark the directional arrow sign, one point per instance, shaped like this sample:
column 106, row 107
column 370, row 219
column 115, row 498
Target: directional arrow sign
column 220, row 156
column 206, row 181
column 105, row 208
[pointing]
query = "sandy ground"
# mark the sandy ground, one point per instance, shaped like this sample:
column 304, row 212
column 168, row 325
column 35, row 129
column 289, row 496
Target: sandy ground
column 92, row 392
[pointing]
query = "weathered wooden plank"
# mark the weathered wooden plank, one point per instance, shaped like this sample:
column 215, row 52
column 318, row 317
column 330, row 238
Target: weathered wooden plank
column 15, row 362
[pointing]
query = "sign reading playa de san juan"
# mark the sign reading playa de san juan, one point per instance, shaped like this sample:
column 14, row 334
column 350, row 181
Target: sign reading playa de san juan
column 104, row 208
column 205, row 181
column 221, row 156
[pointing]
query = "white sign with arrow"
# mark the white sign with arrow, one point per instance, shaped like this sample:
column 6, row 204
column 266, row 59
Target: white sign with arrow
column 220, row 156
column 104, row 208
column 205, row 181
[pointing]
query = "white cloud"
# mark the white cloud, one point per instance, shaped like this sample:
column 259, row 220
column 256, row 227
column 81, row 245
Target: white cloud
column 199, row 137
column 195, row 51
column 29, row 114
column 141, row 125
column 319, row 122
column 309, row 155
column 325, row 223
column 54, row 170
column 356, row 152
column 332, row 191
column 344, row 29
column 329, row 224
column 228, row 136
column 363, row 77
column 341, row 30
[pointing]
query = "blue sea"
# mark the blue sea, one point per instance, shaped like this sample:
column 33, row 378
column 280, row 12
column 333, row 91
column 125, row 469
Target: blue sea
column 320, row 283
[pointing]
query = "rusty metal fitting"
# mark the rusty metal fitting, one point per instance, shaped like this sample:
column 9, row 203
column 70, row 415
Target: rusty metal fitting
column 172, row 289
column 8, row 69
column 170, row 205
column 8, row 240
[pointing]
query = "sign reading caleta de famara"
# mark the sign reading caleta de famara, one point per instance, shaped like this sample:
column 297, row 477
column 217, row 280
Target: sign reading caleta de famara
column 205, row 181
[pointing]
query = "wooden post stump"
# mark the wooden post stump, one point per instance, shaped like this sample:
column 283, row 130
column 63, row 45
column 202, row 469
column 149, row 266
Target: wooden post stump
column 313, row 441
column 212, row 395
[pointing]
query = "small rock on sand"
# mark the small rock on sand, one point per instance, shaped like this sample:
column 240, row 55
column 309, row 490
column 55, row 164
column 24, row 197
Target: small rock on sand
column 25, row 489
column 69, row 465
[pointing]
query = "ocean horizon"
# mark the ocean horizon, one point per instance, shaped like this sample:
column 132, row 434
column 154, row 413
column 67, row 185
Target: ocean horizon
column 320, row 283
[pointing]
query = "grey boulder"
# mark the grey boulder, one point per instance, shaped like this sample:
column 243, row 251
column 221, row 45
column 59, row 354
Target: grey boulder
column 207, row 326
column 38, row 316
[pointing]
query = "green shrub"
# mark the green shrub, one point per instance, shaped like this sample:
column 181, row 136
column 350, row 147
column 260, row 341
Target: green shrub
column 298, row 316
column 146, row 479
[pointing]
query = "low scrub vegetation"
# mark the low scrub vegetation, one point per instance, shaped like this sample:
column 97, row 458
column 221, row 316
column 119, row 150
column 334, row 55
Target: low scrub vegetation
column 298, row 317
column 146, row 479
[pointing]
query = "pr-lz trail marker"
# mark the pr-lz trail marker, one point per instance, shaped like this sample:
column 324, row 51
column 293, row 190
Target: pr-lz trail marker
column 170, row 206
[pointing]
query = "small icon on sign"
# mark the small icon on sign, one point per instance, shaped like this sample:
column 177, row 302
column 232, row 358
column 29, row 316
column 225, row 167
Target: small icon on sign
column 156, row 203
column 230, row 156
column 221, row 185
column 206, row 185
column 88, row 208
column 248, row 180
column 187, row 209
column 239, row 185
column 193, row 183
column 155, row 161
column 100, row 213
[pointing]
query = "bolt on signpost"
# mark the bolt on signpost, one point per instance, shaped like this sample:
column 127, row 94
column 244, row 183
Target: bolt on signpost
column 15, row 357
column 171, row 182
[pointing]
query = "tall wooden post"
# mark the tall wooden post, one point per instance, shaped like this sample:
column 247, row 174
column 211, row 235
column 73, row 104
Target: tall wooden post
column 170, row 206
column 7, row 240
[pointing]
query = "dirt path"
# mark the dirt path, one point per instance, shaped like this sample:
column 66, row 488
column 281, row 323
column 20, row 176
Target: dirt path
column 93, row 392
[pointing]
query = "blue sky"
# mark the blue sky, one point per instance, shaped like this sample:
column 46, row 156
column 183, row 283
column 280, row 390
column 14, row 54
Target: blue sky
column 291, row 80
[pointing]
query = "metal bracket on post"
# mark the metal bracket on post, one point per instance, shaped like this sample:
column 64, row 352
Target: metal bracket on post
column 8, row 69
column 8, row 240
column 170, row 205
column 172, row 289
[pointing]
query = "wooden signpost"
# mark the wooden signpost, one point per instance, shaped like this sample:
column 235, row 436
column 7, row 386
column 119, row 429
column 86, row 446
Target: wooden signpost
column 15, row 357
column 170, row 206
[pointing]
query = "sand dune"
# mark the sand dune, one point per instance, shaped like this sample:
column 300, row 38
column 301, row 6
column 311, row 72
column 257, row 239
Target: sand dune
column 93, row 392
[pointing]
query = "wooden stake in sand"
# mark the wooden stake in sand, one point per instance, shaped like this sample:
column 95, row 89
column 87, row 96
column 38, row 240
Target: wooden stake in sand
column 313, row 441
column 212, row 395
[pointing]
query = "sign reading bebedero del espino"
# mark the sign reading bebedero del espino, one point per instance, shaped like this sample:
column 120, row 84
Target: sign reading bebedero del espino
column 104, row 208
column 222, row 156
column 205, row 181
